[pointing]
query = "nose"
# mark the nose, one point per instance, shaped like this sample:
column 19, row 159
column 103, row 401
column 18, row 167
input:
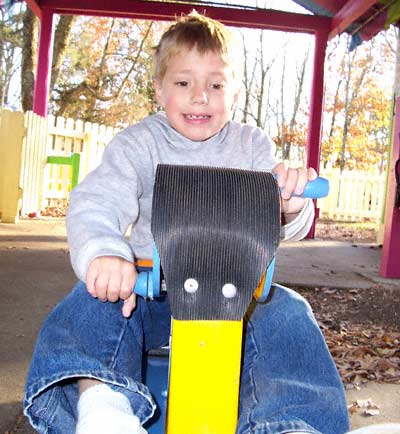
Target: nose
column 199, row 95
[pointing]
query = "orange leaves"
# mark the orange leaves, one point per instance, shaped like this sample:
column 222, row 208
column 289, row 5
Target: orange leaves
column 105, row 76
column 358, row 104
column 362, row 331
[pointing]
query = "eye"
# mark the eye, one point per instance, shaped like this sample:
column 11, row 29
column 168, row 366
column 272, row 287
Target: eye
column 182, row 83
column 217, row 86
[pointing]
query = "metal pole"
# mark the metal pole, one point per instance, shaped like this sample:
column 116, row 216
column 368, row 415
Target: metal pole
column 316, row 106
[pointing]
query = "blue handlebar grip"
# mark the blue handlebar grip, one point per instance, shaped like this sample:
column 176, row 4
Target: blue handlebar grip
column 148, row 283
column 317, row 188
column 314, row 189
column 144, row 283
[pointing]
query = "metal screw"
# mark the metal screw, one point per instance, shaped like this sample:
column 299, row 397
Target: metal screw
column 229, row 290
column 191, row 285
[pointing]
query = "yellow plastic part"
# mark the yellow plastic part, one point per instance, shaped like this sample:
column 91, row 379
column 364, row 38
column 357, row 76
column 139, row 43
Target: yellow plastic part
column 204, row 377
column 260, row 288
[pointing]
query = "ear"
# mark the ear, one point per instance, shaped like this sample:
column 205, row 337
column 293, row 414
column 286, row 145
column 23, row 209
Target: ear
column 235, row 100
column 158, row 91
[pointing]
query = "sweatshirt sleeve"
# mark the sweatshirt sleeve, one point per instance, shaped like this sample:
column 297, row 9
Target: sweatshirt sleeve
column 298, row 228
column 264, row 150
column 103, row 206
column 264, row 158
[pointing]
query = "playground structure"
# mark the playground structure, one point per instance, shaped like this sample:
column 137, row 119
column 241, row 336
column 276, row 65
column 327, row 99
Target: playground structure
column 361, row 18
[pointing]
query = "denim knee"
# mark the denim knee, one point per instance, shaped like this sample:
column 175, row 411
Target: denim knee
column 289, row 380
column 83, row 337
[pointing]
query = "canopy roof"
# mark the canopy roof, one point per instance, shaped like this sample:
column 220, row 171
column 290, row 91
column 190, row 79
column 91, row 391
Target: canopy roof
column 362, row 18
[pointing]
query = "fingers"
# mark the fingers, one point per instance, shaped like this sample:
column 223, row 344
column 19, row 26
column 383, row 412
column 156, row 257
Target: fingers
column 91, row 277
column 111, row 278
column 293, row 181
column 128, row 282
column 280, row 170
column 113, row 287
column 288, row 179
column 312, row 174
column 300, row 180
column 129, row 305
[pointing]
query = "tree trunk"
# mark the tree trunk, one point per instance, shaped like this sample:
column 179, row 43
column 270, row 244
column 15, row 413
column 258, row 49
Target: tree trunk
column 28, row 50
column 61, row 38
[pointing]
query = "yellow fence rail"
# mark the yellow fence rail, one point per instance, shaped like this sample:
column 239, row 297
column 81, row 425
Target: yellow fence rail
column 29, row 182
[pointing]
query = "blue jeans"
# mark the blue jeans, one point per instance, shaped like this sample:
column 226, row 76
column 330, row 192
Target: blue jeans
column 289, row 381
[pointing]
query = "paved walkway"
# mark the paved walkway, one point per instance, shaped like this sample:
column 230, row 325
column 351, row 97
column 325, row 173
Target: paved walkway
column 35, row 274
column 331, row 263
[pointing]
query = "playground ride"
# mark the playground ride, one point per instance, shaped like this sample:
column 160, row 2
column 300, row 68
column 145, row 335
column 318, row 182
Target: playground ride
column 216, row 232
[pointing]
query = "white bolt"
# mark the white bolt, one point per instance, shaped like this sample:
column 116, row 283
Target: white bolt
column 229, row 290
column 191, row 285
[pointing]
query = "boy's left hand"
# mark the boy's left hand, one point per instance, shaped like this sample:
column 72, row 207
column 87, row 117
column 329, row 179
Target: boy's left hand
column 292, row 181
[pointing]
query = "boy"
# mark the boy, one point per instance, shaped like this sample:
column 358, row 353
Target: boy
column 86, row 369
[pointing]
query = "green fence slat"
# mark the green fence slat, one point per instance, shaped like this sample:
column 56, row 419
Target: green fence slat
column 74, row 161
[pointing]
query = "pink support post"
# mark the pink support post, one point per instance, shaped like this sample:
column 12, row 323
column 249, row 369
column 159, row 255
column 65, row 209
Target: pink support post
column 390, row 259
column 42, row 81
column 316, row 105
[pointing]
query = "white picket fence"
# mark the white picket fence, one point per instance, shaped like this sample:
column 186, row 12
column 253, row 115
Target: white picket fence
column 354, row 196
column 65, row 137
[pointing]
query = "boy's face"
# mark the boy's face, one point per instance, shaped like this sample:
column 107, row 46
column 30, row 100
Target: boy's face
column 198, row 93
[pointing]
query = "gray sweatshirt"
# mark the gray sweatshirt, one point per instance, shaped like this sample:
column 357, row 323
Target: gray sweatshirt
column 117, row 195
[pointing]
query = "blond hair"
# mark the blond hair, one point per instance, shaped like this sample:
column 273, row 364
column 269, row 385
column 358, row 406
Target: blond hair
column 192, row 31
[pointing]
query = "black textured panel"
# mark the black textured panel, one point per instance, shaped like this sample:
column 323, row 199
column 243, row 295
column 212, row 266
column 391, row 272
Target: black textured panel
column 216, row 226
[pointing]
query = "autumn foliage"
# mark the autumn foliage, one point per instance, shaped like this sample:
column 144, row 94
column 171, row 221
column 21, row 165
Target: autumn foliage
column 102, row 71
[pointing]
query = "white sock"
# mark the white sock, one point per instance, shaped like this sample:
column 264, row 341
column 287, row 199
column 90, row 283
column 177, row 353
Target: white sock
column 102, row 410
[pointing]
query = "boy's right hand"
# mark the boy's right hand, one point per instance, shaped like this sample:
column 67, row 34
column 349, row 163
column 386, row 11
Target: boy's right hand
column 111, row 278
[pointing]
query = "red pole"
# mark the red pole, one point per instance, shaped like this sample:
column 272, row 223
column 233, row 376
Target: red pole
column 316, row 106
column 390, row 259
column 43, row 69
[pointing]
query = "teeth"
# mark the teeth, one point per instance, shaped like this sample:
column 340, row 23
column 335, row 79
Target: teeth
column 197, row 117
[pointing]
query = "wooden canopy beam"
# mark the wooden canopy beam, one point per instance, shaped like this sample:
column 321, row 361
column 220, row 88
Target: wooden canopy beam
column 168, row 11
column 350, row 12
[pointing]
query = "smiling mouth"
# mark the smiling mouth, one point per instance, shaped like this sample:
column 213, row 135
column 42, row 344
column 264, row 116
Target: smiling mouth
column 197, row 117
